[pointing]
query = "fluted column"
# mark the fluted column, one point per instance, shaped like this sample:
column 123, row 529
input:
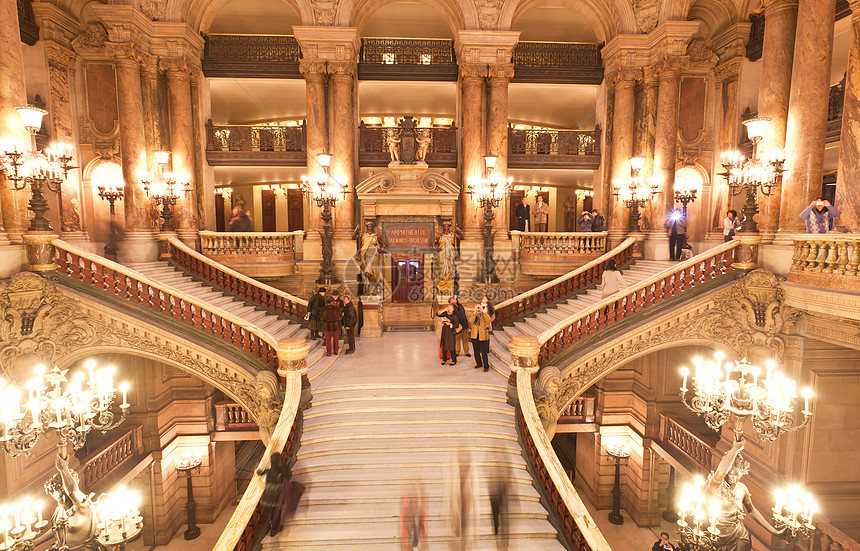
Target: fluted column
column 12, row 93
column 471, row 90
column 342, row 75
column 848, row 179
column 622, row 145
column 182, row 142
column 316, row 135
column 774, row 93
column 131, row 128
column 666, row 140
column 807, row 110
column 500, row 76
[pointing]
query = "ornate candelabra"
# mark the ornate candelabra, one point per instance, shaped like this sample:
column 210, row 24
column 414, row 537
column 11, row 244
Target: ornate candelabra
column 490, row 191
column 698, row 529
column 325, row 191
column 792, row 511
column 619, row 452
column 166, row 190
column 21, row 524
column 72, row 412
column 39, row 170
column 636, row 192
column 187, row 465
column 721, row 390
column 111, row 192
column 119, row 518
column 758, row 174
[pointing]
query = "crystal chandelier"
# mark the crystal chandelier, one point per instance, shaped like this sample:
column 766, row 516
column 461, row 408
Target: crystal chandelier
column 636, row 192
column 72, row 412
column 697, row 517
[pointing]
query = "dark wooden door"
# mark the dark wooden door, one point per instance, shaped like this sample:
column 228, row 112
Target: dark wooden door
column 588, row 204
column 295, row 210
column 270, row 216
column 219, row 213
column 515, row 199
column 407, row 279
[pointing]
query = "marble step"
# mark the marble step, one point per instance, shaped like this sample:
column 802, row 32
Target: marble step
column 515, row 542
column 448, row 450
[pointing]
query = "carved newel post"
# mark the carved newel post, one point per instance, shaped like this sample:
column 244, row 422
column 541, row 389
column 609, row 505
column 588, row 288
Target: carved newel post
column 41, row 253
column 524, row 355
column 746, row 253
column 293, row 356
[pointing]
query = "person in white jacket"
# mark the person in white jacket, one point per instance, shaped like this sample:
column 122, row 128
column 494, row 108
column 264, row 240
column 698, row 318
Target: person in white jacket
column 612, row 280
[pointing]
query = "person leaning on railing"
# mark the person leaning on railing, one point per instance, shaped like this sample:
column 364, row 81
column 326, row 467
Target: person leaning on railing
column 819, row 216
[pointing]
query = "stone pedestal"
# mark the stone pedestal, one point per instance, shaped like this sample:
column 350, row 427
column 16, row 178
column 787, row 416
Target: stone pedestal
column 657, row 246
column 41, row 254
column 524, row 356
column 746, row 254
column 138, row 246
column 293, row 356
column 372, row 309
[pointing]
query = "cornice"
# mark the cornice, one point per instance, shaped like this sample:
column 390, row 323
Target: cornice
column 490, row 47
column 328, row 43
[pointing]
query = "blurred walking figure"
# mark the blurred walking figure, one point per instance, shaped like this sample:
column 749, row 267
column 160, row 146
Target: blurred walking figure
column 460, row 495
column 501, row 506
column 413, row 520
column 279, row 500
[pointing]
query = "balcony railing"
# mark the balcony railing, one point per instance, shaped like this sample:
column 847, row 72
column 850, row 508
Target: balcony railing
column 110, row 460
column 229, row 247
column 826, row 260
column 561, row 62
column 555, row 253
column 255, row 145
column 554, row 148
column 373, row 148
column 231, row 416
column 251, row 55
column 693, row 448
column 407, row 59
column 581, row 410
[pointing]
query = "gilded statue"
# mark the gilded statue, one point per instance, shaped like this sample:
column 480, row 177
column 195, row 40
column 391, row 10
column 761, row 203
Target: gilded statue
column 424, row 139
column 392, row 140
column 371, row 245
column 569, row 213
column 446, row 255
column 75, row 522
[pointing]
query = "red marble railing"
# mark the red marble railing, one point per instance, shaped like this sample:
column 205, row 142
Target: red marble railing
column 686, row 442
column 236, row 283
column 108, row 461
column 561, row 287
column 631, row 301
column 125, row 283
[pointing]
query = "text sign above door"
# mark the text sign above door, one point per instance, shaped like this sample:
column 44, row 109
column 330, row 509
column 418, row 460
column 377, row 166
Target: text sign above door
column 409, row 237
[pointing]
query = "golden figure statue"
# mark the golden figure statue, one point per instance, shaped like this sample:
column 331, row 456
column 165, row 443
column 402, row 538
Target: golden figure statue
column 371, row 244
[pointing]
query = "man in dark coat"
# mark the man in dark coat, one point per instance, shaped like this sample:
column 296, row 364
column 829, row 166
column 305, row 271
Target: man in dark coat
column 523, row 215
column 462, row 336
column 450, row 328
column 597, row 221
column 331, row 317
column 350, row 320
column 315, row 304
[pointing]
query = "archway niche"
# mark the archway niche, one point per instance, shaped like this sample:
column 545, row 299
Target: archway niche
column 406, row 19
column 252, row 17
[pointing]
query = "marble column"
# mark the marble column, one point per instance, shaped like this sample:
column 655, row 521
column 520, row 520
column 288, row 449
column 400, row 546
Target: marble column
column 182, row 143
column 727, row 74
column 500, row 76
column 622, row 146
column 131, row 128
column 774, row 93
column 666, row 141
column 806, row 129
column 316, row 134
column 471, row 90
column 343, row 128
column 12, row 93
column 848, row 179
column 646, row 129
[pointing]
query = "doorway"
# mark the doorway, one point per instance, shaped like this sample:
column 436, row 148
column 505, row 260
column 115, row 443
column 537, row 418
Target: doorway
column 407, row 278
column 269, row 214
column 220, row 222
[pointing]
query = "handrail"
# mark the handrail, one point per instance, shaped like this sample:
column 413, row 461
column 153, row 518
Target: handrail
column 562, row 286
column 830, row 534
column 283, row 437
column 136, row 287
column 564, row 234
column 209, row 233
column 578, row 525
column 628, row 301
column 238, row 284
column 674, row 433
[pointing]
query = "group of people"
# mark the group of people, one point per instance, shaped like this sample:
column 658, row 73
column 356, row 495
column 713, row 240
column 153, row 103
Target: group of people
column 524, row 215
column 591, row 221
column 460, row 327
column 240, row 221
column 327, row 315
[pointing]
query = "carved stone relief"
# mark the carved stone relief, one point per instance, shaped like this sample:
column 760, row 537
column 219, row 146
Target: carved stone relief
column 647, row 14
column 488, row 13
column 325, row 11
column 153, row 9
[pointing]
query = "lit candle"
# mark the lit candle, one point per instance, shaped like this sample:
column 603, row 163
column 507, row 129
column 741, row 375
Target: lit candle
column 38, row 506
column 806, row 393
column 59, row 411
column 684, row 373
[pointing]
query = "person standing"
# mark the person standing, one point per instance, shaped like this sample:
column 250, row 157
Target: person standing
column 240, row 221
column 480, row 333
column 448, row 339
column 586, row 222
column 819, row 215
column 463, row 335
column 598, row 223
column 676, row 226
column 730, row 225
column 523, row 214
column 315, row 305
column 611, row 281
column 350, row 320
column 331, row 316
column 541, row 214
column 663, row 543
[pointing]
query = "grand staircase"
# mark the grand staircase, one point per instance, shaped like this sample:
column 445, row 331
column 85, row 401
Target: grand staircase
column 540, row 322
column 363, row 444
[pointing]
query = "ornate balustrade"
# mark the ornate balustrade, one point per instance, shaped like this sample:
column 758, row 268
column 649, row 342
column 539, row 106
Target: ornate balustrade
column 647, row 294
column 563, row 286
column 553, row 253
column 232, row 416
column 230, row 280
column 227, row 247
column 129, row 285
column 831, row 538
column 112, row 458
column 826, row 260
column 554, row 148
column 693, row 448
column 578, row 526
column 407, row 59
column 255, row 145
column 246, row 520
column 561, row 62
column 581, row 410
column 251, row 55
column 373, row 148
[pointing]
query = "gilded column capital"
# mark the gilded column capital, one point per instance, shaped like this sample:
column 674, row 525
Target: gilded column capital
column 729, row 70
column 175, row 66
column 501, row 72
column 627, row 76
column 59, row 56
column 473, row 70
column 341, row 69
column 670, row 67
column 309, row 67
column 124, row 52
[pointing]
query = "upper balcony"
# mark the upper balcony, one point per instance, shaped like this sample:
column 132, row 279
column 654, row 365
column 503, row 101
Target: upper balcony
column 373, row 145
column 255, row 145
column 547, row 148
column 558, row 62
column 407, row 59
column 251, row 55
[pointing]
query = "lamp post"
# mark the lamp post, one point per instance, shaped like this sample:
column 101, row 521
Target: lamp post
column 111, row 193
column 48, row 169
column 165, row 190
column 635, row 192
column 490, row 191
column 325, row 191
column 620, row 452
column 187, row 465
column 758, row 174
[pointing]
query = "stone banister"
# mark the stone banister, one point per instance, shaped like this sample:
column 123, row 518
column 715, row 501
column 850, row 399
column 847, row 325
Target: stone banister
column 241, row 529
column 631, row 300
column 832, row 538
column 281, row 245
column 826, row 260
column 694, row 448
column 562, row 286
column 579, row 527
column 131, row 285
column 246, row 287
